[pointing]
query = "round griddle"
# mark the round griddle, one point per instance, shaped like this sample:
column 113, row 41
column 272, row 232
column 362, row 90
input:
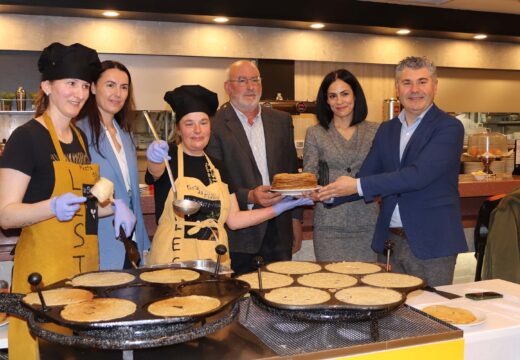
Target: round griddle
column 141, row 329
column 333, row 309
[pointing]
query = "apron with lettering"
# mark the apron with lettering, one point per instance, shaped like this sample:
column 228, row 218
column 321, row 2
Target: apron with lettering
column 181, row 238
column 55, row 249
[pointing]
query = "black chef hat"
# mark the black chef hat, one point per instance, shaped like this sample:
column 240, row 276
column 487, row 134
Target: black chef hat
column 191, row 98
column 76, row 61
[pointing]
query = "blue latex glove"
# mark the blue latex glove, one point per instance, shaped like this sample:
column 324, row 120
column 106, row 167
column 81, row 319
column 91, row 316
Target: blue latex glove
column 66, row 205
column 124, row 217
column 289, row 203
column 157, row 151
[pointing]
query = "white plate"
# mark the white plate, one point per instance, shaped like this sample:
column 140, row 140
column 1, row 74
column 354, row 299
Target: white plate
column 294, row 192
column 5, row 322
column 480, row 315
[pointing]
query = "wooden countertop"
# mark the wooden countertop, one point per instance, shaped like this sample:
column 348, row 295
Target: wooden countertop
column 497, row 184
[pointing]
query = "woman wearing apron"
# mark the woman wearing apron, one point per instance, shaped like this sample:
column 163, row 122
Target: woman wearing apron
column 45, row 172
column 198, row 178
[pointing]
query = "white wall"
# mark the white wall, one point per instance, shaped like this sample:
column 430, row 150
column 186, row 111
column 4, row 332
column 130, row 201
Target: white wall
column 152, row 76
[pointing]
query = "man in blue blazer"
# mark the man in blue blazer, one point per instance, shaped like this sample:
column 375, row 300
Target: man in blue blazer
column 413, row 168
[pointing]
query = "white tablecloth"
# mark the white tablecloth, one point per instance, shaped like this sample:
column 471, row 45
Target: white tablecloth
column 498, row 337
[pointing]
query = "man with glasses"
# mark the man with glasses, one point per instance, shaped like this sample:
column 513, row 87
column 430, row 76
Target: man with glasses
column 255, row 143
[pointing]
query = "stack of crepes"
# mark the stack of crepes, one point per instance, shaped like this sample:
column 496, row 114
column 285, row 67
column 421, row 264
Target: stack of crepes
column 285, row 181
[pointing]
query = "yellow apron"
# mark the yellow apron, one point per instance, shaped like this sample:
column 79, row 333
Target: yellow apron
column 55, row 249
column 170, row 243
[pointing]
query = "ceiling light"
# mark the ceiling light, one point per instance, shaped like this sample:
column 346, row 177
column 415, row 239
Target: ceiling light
column 110, row 13
column 403, row 32
column 317, row 26
column 480, row 36
column 221, row 20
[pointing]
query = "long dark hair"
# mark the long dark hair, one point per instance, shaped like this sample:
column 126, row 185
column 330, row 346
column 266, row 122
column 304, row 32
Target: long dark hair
column 125, row 117
column 323, row 111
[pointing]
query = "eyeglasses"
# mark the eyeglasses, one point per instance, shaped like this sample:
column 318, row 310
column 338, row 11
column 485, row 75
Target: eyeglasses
column 243, row 81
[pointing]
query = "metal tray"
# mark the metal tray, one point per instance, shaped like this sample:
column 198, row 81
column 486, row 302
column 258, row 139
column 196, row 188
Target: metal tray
column 143, row 293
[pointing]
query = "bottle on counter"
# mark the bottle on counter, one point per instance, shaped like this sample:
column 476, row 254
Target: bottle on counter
column 20, row 99
column 516, row 169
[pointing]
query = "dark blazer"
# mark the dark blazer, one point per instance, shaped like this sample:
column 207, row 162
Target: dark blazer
column 424, row 183
column 229, row 144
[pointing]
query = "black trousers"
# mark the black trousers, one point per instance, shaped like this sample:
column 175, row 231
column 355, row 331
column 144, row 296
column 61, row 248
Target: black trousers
column 272, row 250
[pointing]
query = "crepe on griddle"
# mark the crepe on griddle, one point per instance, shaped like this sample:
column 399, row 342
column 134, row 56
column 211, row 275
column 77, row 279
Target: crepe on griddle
column 327, row 280
column 57, row 297
column 169, row 276
column 184, row 306
column 103, row 278
column 353, row 267
column 368, row 296
column 285, row 181
column 391, row 280
column 269, row 280
column 100, row 309
column 297, row 295
column 293, row 267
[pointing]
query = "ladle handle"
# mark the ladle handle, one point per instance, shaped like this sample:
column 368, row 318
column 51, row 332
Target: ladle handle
column 166, row 162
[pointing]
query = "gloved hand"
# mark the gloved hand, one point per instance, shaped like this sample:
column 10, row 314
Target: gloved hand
column 289, row 203
column 157, row 151
column 124, row 217
column 66, row 205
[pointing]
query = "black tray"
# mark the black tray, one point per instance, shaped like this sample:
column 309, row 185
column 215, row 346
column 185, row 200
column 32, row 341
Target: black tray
column 144, row 293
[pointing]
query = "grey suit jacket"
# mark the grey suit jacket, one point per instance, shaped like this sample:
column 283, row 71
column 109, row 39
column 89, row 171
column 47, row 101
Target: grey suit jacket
column 229, row 144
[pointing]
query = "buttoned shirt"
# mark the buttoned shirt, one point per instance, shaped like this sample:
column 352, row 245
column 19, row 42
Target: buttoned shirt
column 256, row 138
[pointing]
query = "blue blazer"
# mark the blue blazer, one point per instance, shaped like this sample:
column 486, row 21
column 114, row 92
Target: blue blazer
column 111, row 250
column 424, row 183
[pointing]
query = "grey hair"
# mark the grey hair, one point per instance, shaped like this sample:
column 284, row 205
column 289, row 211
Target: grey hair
column 415, row 63
column 228, row 69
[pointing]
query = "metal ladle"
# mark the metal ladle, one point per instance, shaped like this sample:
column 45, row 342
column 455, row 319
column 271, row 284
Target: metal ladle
column 185, row 206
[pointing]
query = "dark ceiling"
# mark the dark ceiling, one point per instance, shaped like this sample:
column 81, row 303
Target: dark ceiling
column 338, row 15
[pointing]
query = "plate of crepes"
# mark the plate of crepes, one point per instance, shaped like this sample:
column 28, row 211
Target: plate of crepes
column 294, row 184
column 460, row 316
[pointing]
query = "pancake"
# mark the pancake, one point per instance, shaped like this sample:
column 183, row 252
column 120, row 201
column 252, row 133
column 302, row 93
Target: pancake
column 368, row 296
column 451, row 314
column 104, row 278
column 169, row 276
column 103, row 190
column 184, row 306
column 353, row 267
column 269, row 280
column 285, row 181
column 297, row 295
column 326, row 280
column 57, row 297
column 293, row 267
column 391, row 280
column 102, row 309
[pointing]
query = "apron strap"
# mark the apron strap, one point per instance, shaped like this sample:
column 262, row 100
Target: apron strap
column 54, row 137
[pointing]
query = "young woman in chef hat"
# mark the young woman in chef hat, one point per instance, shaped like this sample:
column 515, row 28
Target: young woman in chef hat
column 45, row 173
column 198, row 178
